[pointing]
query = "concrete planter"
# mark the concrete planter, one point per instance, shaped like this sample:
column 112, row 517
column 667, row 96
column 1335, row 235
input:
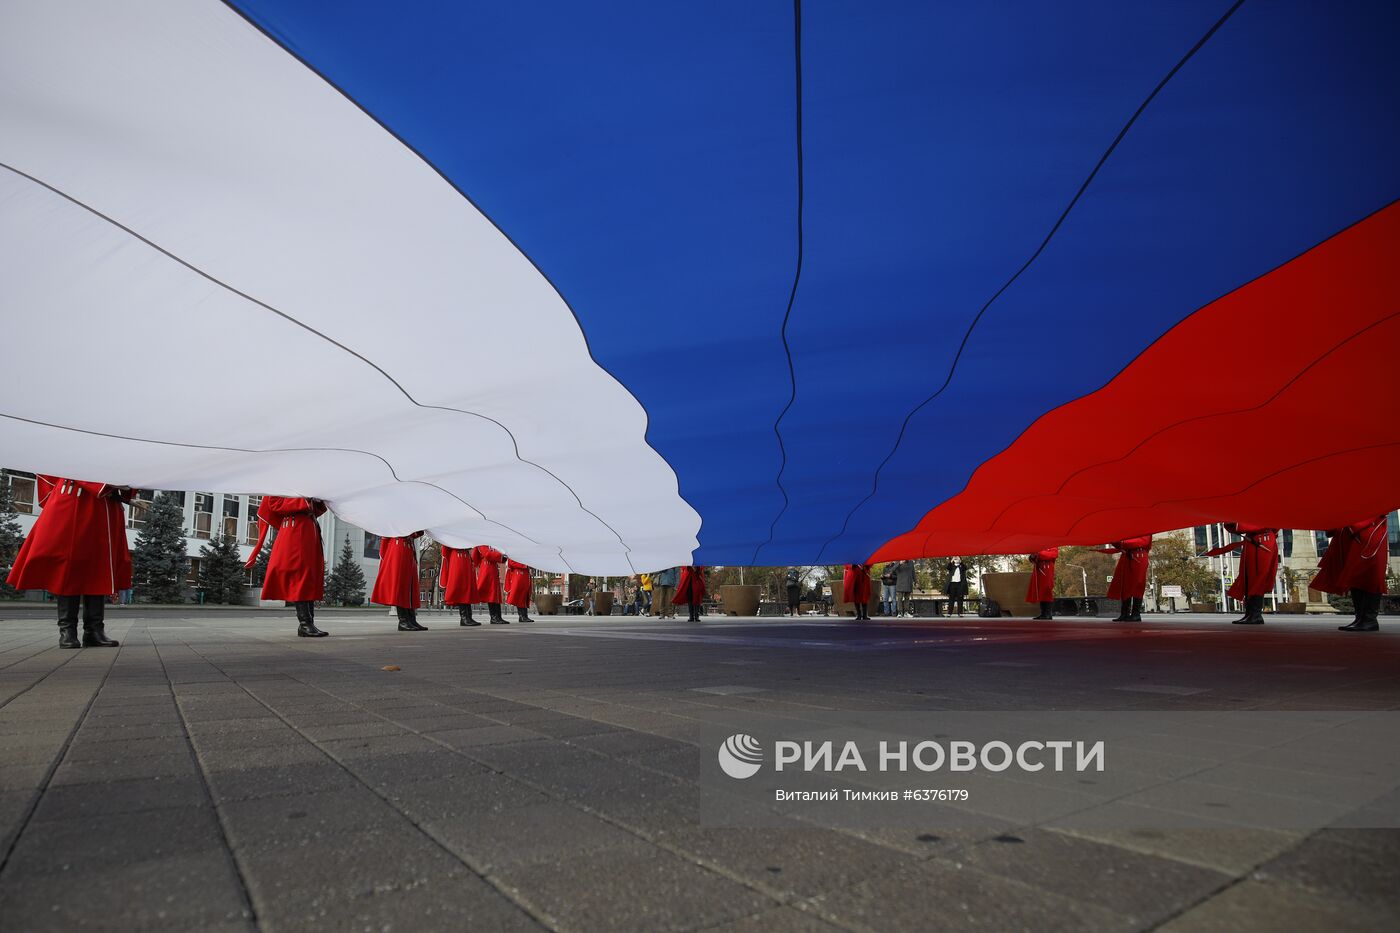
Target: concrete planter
column 547, row 604
column 602, row 604
column 739, row 600
column 1009, row 591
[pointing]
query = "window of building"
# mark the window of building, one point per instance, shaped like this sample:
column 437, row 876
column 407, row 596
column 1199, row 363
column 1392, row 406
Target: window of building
column 203, row 514
column 1286, row 542
column 1202, row 539
column 140, row 505
column 23, row 490
column 1392, row 528
column 229, row 520
column 371, row 545
column 1321, row 541
column 250, row 535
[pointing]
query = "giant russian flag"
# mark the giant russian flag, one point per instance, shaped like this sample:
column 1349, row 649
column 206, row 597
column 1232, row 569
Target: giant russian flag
column 620, row 285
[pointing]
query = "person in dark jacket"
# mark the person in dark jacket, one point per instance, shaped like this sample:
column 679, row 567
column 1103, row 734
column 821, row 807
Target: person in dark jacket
column 794, row 590
column 957, row 585
column 904, row 588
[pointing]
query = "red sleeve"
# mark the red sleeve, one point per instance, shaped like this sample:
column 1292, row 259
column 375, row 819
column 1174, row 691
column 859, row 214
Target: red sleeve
column 46, row 485
column 1224, row 548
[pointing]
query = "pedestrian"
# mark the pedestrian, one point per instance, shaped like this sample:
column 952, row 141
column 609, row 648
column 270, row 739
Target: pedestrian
column 590, row 596
column 1042, row 586
column 1129, row 576
column 1355, row 562
column 488, row 581
column 644, row 593
column 855, row 585
column 1258, row 568
column 904, row 588
column 691, row 590
column 296, row 568
column 519, row 589
column 794, row 590
column 664, row 588
column 957, row 585
column 397, row 583
column 458, row 578
column 77, row 551
column 889, row 575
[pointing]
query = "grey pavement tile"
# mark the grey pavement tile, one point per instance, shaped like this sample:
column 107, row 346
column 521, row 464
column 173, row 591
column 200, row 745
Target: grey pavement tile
column 22, row 776
column 121, row 768
column 776, row 920
column 941, row 896
column 481, row 735
column 302, row 819
column 81, row 801
column 617, row 891
column 1235, row 850
column 1146, row 888
column 1255, row 808
column 190, row 891
column 546, row 831
column 413, row 767
column 461, row 795
column 105, row 749
column 621, row 744
column 1339, row 871
column 455, row 902
column 1260, row 907
column 363, row 728
column 259, row 781
column 799, row 861
column 71, row 848
column 228, row 726
column 378, row 746
column 570, row 727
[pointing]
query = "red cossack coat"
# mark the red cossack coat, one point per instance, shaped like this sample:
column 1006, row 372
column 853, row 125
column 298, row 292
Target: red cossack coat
column 77, row 546
column 458, row 576
column 488, row 573
column 1258, row 560
column 1356, row 559
column 855, row 584
column 1042, row 585
column 691, row 588
column 519, row 589
column 397, row 583
column 1130, row 576
column 296, row 569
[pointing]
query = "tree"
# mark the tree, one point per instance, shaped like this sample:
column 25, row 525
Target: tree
column 221, row 573
column 11, row 537
column 265, row 555
column 1173, row 560
column 1077, row 564
column 345, row 586
column 159, row 564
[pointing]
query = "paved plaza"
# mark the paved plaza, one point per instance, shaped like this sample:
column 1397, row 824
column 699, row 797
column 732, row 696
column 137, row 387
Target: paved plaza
column 218, row 773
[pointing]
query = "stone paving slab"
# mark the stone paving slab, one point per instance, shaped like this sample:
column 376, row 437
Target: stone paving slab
column 217, row 773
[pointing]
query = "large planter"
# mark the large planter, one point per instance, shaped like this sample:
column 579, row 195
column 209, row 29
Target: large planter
column 1009, row 591
column 547, row 604
column 739, row 600
column 602, row 603
column 840, row 607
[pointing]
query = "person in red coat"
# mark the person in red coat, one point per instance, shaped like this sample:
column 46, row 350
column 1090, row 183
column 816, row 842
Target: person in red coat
column 77, row 551
column 1355, row 562
column 296, row 569
column 397, row 583
column 1258, row 568
column 488, row 581
column 519, row 588
column 855, row 586
column 691, row 590
column 1042, row 586
column 1130, row 576
column 458, row 578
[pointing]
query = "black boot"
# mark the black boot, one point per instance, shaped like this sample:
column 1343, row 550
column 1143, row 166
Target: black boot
column 495, row 611
column 68, row 621
column 1125, row 609
column 1046, row 612
column 1253, row 611
column 94, row 631
column 408, row 620
column 1136, row 614
column 1367, row 613
column 695, row 612
column 523, row 614
column 464, row 611
column 306, row 620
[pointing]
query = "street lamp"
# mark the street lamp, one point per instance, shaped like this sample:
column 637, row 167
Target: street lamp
column 1084, row 575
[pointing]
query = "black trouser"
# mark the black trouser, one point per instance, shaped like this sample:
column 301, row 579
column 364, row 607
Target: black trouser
column 794, row 599
column 955, row 603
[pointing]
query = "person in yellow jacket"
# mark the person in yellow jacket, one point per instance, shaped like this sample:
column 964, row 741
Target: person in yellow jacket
column 644, row 581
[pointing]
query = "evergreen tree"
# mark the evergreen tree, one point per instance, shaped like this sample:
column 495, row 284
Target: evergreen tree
column 159, row 564
column 345, row 585
column 265, row 555
column 221, row 573
column 11, row 537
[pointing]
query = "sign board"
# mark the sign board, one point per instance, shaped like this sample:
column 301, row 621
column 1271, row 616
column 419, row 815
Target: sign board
column 1173, row 592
